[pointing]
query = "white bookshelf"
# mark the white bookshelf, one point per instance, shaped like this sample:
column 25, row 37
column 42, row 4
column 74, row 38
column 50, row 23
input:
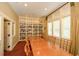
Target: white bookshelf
column 34, row 30
column 22, row 29
column 29, row 30
column 30, row 27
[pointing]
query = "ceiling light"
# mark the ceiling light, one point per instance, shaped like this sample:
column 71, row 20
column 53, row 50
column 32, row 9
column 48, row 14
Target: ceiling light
column 25, row 5
column 45, row 8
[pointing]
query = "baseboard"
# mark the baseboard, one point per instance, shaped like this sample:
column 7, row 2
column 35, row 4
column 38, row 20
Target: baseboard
column 14, row 45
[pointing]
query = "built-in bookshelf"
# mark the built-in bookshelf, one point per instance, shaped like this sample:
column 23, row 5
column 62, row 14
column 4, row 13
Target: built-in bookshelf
column 30, row 26
column 30, row 30
column 22, row 30
column 34, row 30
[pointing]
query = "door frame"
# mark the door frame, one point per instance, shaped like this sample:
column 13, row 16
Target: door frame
column 4, row 16
column 2, row 36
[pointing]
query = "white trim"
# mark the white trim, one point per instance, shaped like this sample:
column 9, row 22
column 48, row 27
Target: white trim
column 5, row 16
column 14, row 45
column 2, row 37
column 8, row 18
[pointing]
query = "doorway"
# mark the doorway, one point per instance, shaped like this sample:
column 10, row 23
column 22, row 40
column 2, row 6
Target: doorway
column 7, row 35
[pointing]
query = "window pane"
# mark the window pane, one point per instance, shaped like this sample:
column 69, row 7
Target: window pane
column 66, row 27
column 50, row 28
column 56, row 28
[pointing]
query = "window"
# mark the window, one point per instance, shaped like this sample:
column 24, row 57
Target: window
column 56, row 28
column 66, row 27
column 50, row 28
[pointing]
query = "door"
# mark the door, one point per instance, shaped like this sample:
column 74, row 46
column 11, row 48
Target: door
column 1, row 36
column 7, row 35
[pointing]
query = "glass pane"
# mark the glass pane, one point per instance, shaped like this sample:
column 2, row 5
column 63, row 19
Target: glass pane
column 66, row 27
column 56, row 28
column 50, row 28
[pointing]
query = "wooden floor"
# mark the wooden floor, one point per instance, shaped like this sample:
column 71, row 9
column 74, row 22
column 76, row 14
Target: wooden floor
column 42, row 47
column 39, row 47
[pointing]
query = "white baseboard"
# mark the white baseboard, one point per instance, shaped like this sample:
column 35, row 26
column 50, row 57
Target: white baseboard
column 14, row 45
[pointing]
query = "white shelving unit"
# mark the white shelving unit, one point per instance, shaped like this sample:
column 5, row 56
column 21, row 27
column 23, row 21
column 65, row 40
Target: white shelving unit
column 22, row 31
column 22, row 28
column 29, row 29
column 34, row 30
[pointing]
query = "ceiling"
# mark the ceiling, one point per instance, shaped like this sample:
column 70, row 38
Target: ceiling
column 35, row 9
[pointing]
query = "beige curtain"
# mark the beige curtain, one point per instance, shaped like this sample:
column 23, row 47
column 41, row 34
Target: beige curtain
column 64, row 12
column 75, row 28
column 59, row 15
column 72, row 10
